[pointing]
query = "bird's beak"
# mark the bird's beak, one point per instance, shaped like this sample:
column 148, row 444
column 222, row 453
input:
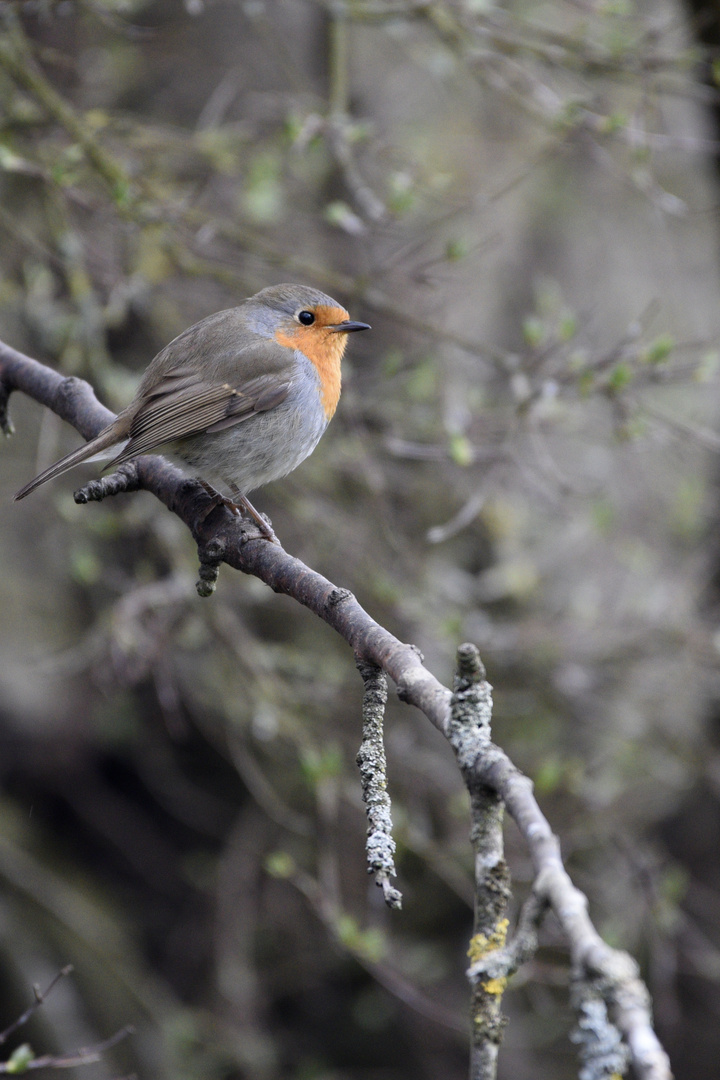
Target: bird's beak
column 349, row 327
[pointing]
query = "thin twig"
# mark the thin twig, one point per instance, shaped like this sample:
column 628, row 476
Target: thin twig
column 40, row 996
column 379, row 845
column 86, row 1055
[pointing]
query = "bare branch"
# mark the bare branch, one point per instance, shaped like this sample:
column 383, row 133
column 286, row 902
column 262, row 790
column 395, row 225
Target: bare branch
column 23, row 1058
column 40, row 996
column 24, row 1061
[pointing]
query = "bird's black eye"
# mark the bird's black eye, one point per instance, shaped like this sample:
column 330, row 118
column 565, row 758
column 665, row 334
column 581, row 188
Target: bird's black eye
column 306, row 318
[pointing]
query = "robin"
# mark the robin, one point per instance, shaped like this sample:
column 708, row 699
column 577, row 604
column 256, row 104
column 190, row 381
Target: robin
column 242, row 396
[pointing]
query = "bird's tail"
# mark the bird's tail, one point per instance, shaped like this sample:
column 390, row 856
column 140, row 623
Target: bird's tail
column 103, row 441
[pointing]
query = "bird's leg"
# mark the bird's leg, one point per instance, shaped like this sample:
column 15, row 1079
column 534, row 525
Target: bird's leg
column 244, row 502
column 217, row 499
column 240, row 503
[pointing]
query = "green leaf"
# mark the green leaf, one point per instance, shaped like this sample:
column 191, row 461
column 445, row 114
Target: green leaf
column 568, row 327
column 456, row 249
column 548, row 776
column 619, row 377
column 318, row 765
column 533, row 331
column 343, row 217
column 461, row 450
column 614, row 122
column 707, row 368
column 370, row 944
column 20, row 1059
column 280, row 864
column 659, row 350
column 264, row 197
column 86, row 566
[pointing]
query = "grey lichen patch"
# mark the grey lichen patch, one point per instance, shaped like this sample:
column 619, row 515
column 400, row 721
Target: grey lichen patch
column 470, row 708
column 380, row 845
column 602, row 1052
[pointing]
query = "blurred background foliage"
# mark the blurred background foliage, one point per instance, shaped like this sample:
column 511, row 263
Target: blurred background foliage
column 522, row 200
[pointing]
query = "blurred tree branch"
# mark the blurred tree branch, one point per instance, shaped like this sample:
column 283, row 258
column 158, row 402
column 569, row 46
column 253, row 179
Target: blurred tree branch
column 23, row 1058
column 17, row 59
column 606, row 981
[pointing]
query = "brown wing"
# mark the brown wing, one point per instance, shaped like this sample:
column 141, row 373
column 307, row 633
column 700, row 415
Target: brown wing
column 181, row 404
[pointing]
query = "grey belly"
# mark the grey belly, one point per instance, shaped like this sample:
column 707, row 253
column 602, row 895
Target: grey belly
column 257, row 450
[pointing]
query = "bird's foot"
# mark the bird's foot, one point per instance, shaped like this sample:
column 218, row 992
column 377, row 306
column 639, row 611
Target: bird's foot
column 239, row 505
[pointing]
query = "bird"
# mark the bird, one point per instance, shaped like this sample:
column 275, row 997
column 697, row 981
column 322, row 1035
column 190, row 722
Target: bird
column 243, row 396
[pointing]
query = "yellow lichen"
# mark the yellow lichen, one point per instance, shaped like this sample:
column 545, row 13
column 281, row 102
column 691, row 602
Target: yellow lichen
column 481, row 944
column 495, row 986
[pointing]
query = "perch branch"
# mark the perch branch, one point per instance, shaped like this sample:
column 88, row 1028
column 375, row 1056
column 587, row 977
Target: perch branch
column 221, row 537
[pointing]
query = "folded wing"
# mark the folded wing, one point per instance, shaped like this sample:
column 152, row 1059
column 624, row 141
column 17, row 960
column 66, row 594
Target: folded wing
column 183, row 404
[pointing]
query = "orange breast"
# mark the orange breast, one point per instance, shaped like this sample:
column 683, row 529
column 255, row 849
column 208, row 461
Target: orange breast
column 324, row 348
